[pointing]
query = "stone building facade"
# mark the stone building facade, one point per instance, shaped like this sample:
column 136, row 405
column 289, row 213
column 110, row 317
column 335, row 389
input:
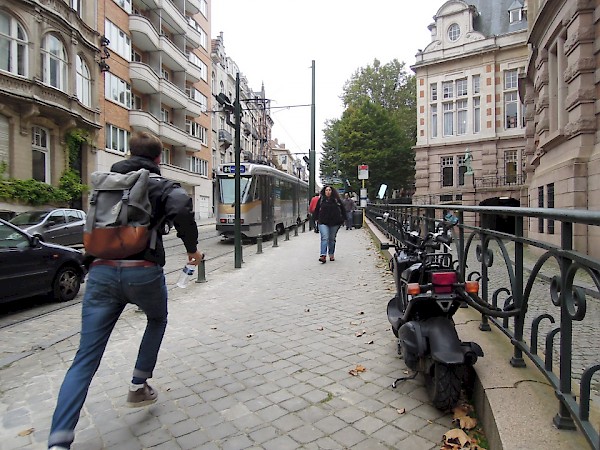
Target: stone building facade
column 561, row 95
column 470, row 132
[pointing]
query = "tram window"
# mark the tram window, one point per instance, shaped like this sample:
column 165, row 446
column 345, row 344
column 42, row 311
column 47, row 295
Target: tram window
column 227, row 189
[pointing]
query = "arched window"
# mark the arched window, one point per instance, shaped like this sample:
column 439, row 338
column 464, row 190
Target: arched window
column 54, row 62
column 40, row 160
column 13, row 46
column 84, row 82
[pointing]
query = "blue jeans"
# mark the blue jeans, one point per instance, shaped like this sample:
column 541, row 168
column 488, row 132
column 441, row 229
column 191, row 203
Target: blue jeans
column 109, row 289
column 349, row 219
column 328, row 234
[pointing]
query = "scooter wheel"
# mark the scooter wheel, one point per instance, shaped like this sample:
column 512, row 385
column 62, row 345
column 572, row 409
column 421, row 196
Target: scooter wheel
column 444, row 384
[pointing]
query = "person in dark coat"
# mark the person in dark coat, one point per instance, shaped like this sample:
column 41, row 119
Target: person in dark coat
column 330, row 215
column 138, row 279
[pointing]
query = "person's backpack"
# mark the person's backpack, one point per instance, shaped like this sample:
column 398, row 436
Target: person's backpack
column 118, row 220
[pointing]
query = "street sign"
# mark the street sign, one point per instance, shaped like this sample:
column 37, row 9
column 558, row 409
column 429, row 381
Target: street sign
column 363, row 172
column 231, row 169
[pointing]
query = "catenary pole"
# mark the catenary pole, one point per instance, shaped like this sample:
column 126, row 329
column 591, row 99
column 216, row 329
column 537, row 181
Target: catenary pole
column 312, row 156
column 237, row 220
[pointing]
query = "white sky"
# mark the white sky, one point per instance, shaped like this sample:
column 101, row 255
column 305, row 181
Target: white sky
column 274, row 42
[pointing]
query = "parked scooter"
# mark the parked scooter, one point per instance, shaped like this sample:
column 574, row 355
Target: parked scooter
column 428, row 293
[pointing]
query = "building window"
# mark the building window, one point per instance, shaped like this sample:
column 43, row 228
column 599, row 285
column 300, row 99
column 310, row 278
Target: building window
column 461, row 116
column 448, row 89
column 433, row 91
column 515, row 15
column 13, row 46
column 165, row 74
column 448, row 119
column 40, row 160
column 461, row 87
column 83, row 82
column 447, row 171
column 119, row 42
column 453, row 32
column 193, row 58
column 512, row 107
column 476, row 84
column 204, row 8
column 550, row 204
column 117, row 90
column 511, row 165
column 164, row 114
column 54, row 62
column 165, row 156
column 197, row 165
column 76, row 5
column 137, row 103
column 540, row 205
column 434, row 121
column 476, row 115
column 462, row 169
column 125, row 4
column 197, row 96
column 135, row 56
column 196, row 130
column 117, row 139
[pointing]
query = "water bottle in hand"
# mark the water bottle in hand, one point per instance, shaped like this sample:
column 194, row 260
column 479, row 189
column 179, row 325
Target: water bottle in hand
column 186, row 275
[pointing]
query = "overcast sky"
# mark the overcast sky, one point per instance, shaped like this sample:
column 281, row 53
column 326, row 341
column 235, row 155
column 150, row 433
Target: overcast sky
column 274, row 42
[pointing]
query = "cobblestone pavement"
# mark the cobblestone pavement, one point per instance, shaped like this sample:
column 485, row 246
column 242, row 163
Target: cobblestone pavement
column 257, row 357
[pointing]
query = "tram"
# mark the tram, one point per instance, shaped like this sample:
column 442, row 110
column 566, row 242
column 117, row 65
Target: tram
column 271, row 200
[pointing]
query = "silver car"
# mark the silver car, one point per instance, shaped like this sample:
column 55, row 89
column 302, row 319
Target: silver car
column 62, row 226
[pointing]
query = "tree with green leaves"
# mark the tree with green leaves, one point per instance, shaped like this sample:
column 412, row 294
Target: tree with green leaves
column 377, row 128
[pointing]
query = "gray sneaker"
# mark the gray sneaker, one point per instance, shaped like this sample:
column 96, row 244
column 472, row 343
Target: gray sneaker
column 142, row 397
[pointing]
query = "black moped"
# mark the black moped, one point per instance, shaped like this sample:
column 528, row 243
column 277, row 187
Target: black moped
column 429, row 291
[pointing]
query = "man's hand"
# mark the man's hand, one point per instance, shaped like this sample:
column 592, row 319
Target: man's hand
column 195, row 258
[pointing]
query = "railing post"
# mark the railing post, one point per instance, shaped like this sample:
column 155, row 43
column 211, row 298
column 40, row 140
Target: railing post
column 563, row 419
column 287, row 234
column 517, row 359
column 201, row 271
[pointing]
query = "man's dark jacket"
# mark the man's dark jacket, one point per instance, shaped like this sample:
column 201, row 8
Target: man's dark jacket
column 169, row 201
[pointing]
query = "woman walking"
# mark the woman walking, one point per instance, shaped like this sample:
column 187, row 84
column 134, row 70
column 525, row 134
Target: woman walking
column 330, row 214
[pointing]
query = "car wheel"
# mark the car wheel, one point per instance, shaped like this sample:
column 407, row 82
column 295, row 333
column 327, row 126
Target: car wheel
column 66, row 284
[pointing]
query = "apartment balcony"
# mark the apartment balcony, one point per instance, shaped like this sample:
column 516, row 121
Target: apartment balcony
column 180, row 175
column 143, row 78
column 225, row 139
column 192, row 6
column 193, row 72
column 195, row 108
column 143, row 34
column 144, row 121
column 505, row 181
column 172, row 95
column 34, row 96
column 172, row 56
column 192, row 35
column 177, row 137
column 173, row 18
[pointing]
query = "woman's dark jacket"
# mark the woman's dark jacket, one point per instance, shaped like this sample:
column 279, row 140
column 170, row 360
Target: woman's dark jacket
column 169, row 202
column 330, row 211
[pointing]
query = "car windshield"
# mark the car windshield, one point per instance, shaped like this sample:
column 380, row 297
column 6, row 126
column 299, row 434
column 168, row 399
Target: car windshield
column 29, row 218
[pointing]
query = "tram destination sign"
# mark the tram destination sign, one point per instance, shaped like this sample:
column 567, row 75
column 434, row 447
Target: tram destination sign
column 231, row 169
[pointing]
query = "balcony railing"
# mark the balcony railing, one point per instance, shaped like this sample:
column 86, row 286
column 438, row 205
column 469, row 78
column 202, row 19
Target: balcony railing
column 543, row 289
column 500, row 181
column 225, row 137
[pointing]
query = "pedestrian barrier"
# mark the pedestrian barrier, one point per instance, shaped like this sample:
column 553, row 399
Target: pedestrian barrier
column 295, row 230
column 259, row 244
column 275, row 234
column 287, row 234
column 201, row 271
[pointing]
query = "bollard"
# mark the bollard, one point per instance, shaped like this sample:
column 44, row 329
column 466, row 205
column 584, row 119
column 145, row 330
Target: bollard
column 259, row 244
column 275, row 239
column 287, row 234
column 201, row 271
column 295, row 230
column 304, row 227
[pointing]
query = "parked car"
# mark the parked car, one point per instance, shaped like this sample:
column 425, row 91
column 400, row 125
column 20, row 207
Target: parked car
column 60, row 226
column 32, row 267
column 6, row 214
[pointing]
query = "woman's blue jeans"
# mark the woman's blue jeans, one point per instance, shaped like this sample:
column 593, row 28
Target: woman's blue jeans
column 109, row 289
column 328, row 234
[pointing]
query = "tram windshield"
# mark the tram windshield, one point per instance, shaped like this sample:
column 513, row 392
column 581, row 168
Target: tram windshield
column 227, row 189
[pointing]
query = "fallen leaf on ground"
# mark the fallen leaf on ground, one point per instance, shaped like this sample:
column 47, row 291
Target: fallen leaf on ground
column 358, row 369
column 456, row 436
column 401, row 411
column 26, row 432
column 355, row 322
column 370, row 342
column 466, row 422
column 360, row 333
column 249, row 335
column 320, row 329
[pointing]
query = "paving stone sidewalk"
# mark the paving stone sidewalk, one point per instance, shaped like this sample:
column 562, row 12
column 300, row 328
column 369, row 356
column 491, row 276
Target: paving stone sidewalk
column 257, row 357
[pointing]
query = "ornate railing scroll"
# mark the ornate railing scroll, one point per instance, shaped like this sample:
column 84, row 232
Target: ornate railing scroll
column 549, row 294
